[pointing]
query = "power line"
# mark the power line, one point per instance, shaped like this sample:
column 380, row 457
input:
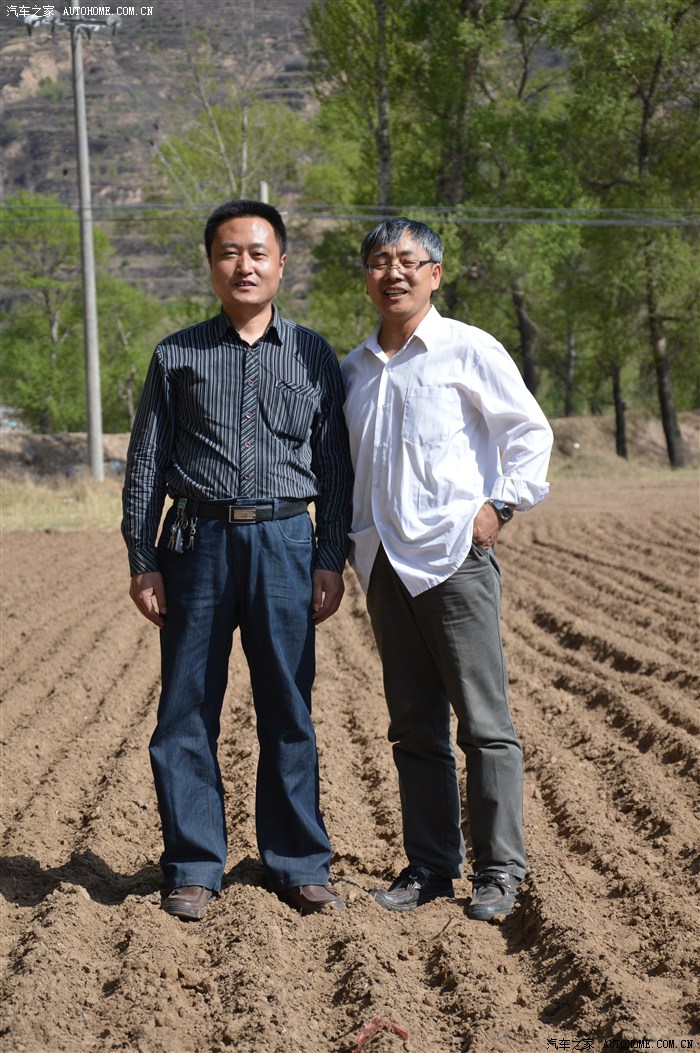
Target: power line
column 146, row 213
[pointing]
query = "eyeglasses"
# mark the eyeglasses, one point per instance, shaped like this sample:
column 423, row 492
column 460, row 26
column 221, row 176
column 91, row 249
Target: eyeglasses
column 408, row 267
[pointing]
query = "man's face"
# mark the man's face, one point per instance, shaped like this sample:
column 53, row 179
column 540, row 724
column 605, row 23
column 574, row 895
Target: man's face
column 400, row 294
column 246, row 265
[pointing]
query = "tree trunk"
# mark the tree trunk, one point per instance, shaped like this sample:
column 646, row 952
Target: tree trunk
column 45, row 421
column 214, row 125
column 657, row 335
column 244, row 148
column 45, row 417
column 451, row 299
column 620, row 408
column 129, row 394
column 455, row 168
column 383, row 130
column 571, row 355
column 659, row 352
column 528, row 336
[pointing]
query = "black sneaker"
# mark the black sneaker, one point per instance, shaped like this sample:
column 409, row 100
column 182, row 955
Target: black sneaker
column 412, row 888
column 494, row 893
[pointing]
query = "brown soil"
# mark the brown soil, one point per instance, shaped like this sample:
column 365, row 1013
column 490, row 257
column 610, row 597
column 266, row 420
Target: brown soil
column 602, row 643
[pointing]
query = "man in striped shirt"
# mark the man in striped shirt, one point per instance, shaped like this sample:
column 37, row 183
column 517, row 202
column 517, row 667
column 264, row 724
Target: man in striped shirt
column 241, row 423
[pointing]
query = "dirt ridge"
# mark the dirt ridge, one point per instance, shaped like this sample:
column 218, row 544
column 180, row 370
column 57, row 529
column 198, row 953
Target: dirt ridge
column 601, row 637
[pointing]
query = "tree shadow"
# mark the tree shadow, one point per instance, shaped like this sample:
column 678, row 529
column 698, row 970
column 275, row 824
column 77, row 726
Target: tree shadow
column 248, row 871
column 25, row 882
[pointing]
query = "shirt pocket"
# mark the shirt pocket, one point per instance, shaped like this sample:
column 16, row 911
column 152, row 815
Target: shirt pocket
column 431, row 415
column 290, row 412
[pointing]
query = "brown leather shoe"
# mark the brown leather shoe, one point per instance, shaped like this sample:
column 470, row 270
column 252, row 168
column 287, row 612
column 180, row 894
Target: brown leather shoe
column 307, row 899
column 188, row 902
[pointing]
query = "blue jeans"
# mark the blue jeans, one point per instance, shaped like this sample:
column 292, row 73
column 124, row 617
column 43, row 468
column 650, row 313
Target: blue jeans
column 256, row 577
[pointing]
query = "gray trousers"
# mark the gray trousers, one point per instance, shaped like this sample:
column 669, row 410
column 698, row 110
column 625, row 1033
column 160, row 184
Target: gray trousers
column 441, row 649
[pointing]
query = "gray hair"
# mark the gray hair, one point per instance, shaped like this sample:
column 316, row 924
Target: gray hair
column 390, row 232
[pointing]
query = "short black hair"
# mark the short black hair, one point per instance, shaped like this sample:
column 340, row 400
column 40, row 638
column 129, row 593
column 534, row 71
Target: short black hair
column 390, row 232
column 239, row 208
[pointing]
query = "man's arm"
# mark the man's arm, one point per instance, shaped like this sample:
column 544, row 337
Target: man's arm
column 330, row 461
column 144, row 493
column 517, row 426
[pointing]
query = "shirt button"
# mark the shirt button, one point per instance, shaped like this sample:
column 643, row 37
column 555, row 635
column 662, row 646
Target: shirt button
column 247, row 444
column 248, row 415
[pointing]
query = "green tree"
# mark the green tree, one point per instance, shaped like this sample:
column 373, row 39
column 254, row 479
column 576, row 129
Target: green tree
column 360, row 63
column 473, row 123
column 42, row 331
column 635, row 108
column 498, row 107
column 242, row 133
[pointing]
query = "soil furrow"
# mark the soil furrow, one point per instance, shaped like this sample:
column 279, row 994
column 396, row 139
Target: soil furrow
column 70, row 726
column 601, row 644
column 674, row 748
column 620, row 611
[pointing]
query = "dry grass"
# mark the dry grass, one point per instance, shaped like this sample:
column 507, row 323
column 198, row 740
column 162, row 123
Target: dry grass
column 74, row 504
column 46, row 485
column 82, row 504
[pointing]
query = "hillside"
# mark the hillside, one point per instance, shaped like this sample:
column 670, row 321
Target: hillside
column 137, row 95
column 133, row 83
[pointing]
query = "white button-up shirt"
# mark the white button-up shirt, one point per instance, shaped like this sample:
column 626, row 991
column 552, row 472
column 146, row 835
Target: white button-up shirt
column 435, row 431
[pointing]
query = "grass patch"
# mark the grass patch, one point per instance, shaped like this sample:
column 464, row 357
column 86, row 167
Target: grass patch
column 74, row 504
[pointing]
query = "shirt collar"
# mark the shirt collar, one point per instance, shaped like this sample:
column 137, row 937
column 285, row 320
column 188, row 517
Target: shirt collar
column 425, row 331
column 272, row 333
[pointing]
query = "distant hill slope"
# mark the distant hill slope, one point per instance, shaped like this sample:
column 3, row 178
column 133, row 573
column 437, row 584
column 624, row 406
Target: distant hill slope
column 135, row 97
column 131, row 80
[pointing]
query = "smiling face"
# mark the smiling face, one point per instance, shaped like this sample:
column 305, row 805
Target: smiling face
column 246, row 266
column 402, row 297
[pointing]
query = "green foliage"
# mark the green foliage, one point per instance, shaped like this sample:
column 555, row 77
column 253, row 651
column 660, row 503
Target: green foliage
column 633, row 112
column 10, row 130
column 239, row 139
column 42, row 332
column 54, row 91
column 130, row 326
column 42, row 378
column 209, row 161
column 352, row 63
column 338, row 306
column 589, row 105
column 338, row 169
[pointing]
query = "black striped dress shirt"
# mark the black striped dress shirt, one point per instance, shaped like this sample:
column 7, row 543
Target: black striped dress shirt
column 220, row 419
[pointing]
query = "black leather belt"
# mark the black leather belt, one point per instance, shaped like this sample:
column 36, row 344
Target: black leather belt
column 253, row 512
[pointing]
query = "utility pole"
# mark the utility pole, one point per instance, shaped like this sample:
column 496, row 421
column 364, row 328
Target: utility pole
column 78, row 28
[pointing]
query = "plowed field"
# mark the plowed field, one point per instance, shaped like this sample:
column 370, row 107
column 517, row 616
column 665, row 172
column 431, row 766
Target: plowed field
column 601, row 631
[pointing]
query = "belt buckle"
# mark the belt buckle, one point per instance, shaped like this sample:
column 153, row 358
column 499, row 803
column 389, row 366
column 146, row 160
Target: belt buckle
column 242, row 515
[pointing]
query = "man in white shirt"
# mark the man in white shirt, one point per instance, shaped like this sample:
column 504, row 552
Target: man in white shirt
column 446, row 443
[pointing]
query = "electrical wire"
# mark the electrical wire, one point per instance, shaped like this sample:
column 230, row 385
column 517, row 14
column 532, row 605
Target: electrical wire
column 146, row 212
